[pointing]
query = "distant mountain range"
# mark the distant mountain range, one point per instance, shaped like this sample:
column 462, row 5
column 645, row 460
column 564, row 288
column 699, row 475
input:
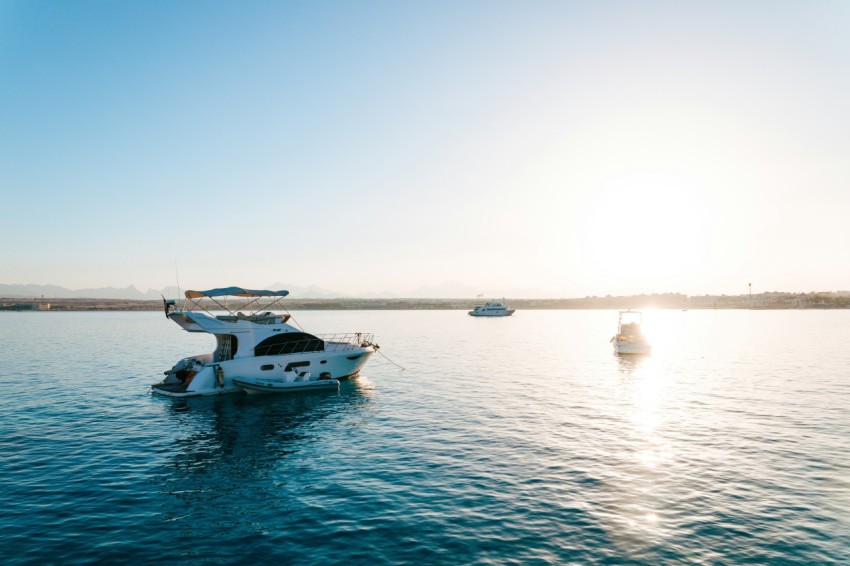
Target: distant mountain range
column 56, row 292
column 447, row 290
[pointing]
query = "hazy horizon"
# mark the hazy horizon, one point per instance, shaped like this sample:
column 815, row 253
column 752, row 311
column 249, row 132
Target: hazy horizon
column 567, row 149
column 447, row 291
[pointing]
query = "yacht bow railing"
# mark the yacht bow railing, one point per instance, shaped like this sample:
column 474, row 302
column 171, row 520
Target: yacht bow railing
column 347, row 341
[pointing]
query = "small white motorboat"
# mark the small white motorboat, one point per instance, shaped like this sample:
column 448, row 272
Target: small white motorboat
column 630, row 338
column 493, row 308
column 290, row 382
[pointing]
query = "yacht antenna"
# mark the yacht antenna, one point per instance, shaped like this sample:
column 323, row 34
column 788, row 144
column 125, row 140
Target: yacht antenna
column 177, row 277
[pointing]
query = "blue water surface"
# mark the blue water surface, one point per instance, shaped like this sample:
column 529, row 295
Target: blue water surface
column 518, row 440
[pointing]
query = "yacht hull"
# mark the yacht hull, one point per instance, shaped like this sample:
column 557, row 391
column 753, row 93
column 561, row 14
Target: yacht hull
column 218, row 378
column 626, row 348
column 506, row 313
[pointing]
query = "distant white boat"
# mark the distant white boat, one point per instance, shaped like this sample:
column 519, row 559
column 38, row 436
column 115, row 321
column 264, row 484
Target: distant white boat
column 629, row 338
column 491, row 309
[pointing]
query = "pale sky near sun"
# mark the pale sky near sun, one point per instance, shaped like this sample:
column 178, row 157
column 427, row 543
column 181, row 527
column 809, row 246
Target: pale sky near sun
column 526, row 147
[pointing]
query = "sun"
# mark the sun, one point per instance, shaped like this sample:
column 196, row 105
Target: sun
column 645, row 229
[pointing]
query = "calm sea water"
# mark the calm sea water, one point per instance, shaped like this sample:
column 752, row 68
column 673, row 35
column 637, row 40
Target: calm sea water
column 516, row 440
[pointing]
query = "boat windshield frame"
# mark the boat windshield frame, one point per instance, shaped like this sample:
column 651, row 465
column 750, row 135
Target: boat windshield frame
column 635, row 316
column 255, row 304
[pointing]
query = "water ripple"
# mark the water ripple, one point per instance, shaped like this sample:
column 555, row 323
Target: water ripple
column 517, row 441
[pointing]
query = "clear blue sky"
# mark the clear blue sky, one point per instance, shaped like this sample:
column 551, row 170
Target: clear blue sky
column 574, row 148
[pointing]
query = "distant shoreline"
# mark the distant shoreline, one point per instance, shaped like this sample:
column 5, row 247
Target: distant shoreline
column 668, row 301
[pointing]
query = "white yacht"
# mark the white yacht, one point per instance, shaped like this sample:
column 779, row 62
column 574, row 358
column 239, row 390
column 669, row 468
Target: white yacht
column 629, row 338
column 494, row 308
column 257, row 347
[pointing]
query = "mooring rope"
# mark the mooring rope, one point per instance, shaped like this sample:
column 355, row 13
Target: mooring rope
column 292, row 318
column 389, row 360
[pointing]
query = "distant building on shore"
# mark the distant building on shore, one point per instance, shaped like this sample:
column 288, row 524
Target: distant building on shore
column 34, row 306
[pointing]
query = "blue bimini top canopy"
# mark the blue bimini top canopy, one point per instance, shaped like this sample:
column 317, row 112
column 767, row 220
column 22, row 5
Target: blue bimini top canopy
column 235, row 292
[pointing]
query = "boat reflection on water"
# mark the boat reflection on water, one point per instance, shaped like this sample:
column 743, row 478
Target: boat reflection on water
column 631, row 364
column 251, row 447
